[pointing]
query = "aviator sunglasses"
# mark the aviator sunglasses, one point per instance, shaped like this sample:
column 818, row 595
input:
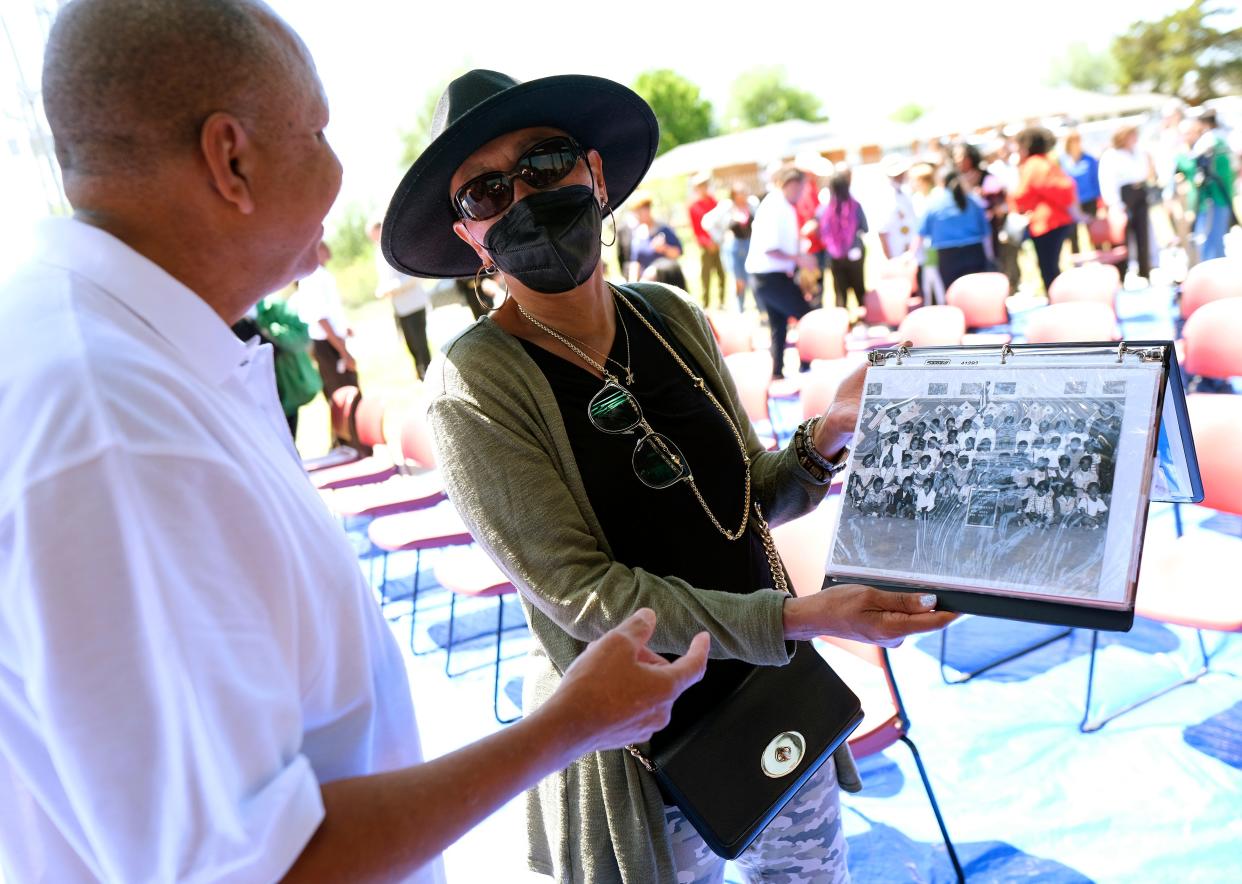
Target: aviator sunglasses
column 486, row 196
column 657, row 461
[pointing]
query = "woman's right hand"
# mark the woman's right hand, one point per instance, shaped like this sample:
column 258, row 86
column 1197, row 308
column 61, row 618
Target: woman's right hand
column 863, row 613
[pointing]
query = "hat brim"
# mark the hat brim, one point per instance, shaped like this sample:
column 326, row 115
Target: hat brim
column 600, row 114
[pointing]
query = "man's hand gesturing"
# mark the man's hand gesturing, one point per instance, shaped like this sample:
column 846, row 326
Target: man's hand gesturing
column 620, row 691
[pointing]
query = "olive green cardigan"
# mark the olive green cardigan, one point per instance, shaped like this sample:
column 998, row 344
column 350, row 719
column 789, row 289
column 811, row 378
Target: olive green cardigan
column 510, row 471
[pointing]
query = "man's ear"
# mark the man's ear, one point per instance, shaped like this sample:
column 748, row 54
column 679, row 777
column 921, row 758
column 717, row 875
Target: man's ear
column 229, row 155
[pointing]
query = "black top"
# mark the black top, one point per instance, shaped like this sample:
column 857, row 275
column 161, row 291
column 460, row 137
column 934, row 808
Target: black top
column 665, row 531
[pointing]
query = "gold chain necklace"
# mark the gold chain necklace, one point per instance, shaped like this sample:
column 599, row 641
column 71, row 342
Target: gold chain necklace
column 567, row 339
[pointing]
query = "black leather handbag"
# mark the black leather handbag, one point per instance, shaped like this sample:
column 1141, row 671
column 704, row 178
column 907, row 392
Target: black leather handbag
column 738, row 751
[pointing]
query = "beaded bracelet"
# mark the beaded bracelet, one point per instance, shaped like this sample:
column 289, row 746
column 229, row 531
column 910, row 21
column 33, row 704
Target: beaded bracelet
column 821, row 469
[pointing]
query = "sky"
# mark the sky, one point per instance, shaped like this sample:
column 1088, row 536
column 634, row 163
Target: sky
column 379, row 59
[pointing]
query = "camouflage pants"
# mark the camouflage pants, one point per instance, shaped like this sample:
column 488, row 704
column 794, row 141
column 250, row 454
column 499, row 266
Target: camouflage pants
column 804, row 844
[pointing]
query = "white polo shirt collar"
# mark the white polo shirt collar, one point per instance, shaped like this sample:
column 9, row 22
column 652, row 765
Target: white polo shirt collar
column 201, row 338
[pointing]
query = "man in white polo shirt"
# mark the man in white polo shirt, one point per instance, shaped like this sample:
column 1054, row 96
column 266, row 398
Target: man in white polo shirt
column 774, row 258
column 195, row 681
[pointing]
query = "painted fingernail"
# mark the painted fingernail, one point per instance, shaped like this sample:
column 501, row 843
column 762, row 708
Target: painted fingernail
column 927, row 600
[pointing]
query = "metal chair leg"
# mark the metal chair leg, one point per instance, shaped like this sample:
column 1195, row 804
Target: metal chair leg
column 418, row 572
column 448, row 650
column 931, row 797
column 964, row 677
column 500, row 627
column 1087, row 726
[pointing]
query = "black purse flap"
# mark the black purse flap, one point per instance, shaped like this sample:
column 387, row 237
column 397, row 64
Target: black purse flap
column 734, row 766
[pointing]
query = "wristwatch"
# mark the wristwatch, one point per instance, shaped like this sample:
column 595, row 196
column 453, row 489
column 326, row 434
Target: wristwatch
column 822, row 469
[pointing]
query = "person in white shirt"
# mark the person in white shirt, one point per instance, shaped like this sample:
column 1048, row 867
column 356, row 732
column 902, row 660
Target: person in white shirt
column 409, row 297
column 774, row 257
column 1092, row 509
column 196, row 682
column 987, row 431
column 924, row 497
column 1084, row 476
column 1125, row 170
column 1025, row 433
column 317, row 301
column 900, row 223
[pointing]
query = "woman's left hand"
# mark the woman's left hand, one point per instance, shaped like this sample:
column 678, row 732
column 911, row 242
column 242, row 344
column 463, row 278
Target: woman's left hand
column 836, row 426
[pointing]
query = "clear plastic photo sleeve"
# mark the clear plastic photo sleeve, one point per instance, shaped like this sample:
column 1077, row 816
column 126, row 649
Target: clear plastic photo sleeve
column 1014, row 482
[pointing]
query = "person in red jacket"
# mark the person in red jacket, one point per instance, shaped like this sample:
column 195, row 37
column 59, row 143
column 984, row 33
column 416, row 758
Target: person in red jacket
column 1044, row 194
column 709, row 249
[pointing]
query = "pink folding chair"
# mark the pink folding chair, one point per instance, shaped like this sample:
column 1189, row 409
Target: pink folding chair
column 821, row 333
column 889, row 302
column 1090, row 282
column 1211, row 281
column 418, row 485
column 1108, row 238
column 935, row 326
column 1070, row 322
column 435, row 527
column 472, row 574
column 1192, row 581
column 379, row 463
column 1212, row 347
column 341, row 408
column 981, row 297
column 752, row 375
column 733, row 333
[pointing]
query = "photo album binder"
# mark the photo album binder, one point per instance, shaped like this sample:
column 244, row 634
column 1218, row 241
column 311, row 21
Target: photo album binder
column 1014, row 482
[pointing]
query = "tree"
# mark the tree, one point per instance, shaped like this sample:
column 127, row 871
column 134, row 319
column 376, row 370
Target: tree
column 1083, row 69
column 762, row 96
column 415, row 139
column 683, row 113
column 348, row 240
column 907, row 113
column 1182, row 53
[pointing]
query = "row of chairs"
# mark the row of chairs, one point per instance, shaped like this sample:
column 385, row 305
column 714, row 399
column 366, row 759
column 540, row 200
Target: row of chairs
column 399, row 488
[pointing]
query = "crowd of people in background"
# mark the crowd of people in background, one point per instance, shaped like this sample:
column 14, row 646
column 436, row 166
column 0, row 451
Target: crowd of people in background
column 796, row 238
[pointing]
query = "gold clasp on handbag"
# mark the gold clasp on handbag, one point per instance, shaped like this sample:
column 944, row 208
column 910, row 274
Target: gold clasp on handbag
column 783, row 755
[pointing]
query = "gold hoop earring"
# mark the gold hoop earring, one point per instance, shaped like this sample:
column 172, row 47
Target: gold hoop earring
column 478, row 286
column 604, row 205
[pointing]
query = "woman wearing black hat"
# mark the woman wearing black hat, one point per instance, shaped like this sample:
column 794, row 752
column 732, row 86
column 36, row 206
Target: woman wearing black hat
column 567, row 423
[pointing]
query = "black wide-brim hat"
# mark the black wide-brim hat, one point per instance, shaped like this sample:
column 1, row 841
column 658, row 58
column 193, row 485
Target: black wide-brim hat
column 478, row 106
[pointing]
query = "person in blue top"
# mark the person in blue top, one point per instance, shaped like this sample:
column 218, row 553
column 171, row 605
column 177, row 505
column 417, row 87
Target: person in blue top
column 1085, row 170
column 956, row 225
column 650, row 239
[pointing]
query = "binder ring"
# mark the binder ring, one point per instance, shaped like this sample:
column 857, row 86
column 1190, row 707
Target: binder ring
column 1121, row 351
column 1005, row 352
column 902, row 352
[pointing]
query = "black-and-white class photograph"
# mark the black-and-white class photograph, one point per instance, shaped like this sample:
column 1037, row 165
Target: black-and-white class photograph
column 966, row 479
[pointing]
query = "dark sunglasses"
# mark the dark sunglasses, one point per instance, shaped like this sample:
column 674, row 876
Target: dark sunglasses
column 487, row 195
column 657, row 461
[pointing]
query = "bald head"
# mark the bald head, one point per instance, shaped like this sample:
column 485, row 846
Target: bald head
column 127, row 83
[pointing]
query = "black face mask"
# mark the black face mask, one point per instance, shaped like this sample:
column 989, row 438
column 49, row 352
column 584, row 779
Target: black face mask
column 549, row 242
